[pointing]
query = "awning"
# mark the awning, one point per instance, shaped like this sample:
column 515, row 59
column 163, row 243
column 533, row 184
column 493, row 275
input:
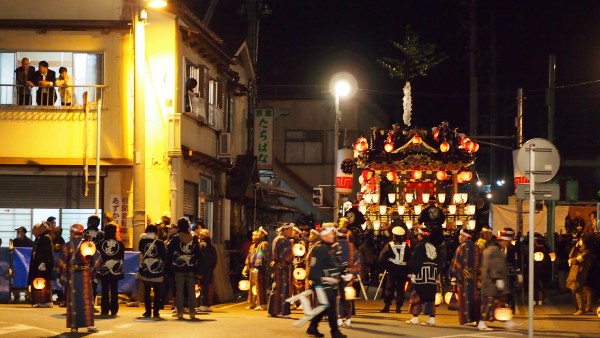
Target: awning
column 205, row 160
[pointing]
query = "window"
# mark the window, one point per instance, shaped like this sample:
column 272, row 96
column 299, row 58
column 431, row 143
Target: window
column 84, row 69
column 11, row 219
column 205, row 202
column 303, row 147
column 346, row 139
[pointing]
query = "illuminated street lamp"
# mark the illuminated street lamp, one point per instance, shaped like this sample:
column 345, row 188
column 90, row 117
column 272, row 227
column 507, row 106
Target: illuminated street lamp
column 342, row 85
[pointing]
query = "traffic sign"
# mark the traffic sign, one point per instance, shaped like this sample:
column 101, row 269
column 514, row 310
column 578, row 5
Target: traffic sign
column 546, row 159
column 542, row 192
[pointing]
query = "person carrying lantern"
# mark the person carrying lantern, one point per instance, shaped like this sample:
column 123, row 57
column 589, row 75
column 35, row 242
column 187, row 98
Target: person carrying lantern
column 41, row 266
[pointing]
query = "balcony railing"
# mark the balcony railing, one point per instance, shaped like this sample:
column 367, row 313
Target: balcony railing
column 36, row 97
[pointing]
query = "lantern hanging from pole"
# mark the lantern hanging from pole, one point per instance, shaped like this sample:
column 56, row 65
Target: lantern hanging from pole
column 441, row 197
column 362, row 208
column 475, row 147
column 391, row 176
column 441, row 175
column 392, row 197
column 388, row 146
column 39, row 283
column 401, row 209
column 361, row 144
column 417, row 174
column 298, row 249
column 408, row 197
column 436, row 134
column 376, row 225
column 452, row 209
column 468, row 145
column 463, row 141
column 425, row 197
column 538, row 256
column 465, row 176
column 503, row 313
column 438, row 298
column 418, row 208
column 350, row 293
column 409, row 224
column 299, row 274
column 448, row 297
column 88, row 248
column 416, row 140
column 244, row 285
column 444, row 147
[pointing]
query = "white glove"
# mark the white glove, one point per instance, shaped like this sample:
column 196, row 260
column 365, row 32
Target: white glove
column 347, row 277
column 413, row 278
column 295, row 261
column 453, row 281
column 42, row 267
column 520, row 278
column 499, row 284
column 330, row 280
column 245, row 271
column 255, row 271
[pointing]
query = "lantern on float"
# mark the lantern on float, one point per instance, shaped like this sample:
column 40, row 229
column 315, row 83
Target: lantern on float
column 388, row 146
column 409, row 224
column 441, row 197
column 538, row 256
column 448, row 297
column 503, row 313
column 441, row 175
column 350, row 293
column 299, row 274
column 436, row 134
column 463, row 142
column 298, row 249
column 361, row 144
column 361, row 180
column 416, row 140
column 244, row 285
column 552, row 256
column 598, row 311
column 468, row 145
column 367, row 175
column 39, row 283
column 391, row 176
column 88, row 248
column 465, row 176
column 475, row 147
column 444, row 147
column 438, row 298
column 418, row 208
column 417, row 174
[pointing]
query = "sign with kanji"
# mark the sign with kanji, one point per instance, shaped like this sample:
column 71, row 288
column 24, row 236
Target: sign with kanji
column 119, row 206
column 263, row 137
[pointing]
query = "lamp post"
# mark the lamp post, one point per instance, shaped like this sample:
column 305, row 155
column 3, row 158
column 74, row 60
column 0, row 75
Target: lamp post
column 342, row 88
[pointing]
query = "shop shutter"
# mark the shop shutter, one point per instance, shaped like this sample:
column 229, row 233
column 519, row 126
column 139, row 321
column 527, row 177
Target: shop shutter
column 61, row 192
column 190, row 199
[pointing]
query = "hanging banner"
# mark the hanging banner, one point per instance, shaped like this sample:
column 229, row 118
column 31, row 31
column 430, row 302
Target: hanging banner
column 119, row 206
column 345, row 168
column 519, row 178
column 263, row 137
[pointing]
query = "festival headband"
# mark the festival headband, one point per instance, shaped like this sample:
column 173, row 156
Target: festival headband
column 263, row 231
column 326, row 230
column 76, row 229
column 423, row 231
column 463, row 233
column 504, row 237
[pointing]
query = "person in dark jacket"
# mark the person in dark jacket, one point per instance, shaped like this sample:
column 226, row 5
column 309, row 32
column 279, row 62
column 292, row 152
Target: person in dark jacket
column 22, row 241
column 152, row 269
column 394, row 258
column 325, row 272
column 183, row 254
column 41, row 265
column 110, row 272
column 209, row 254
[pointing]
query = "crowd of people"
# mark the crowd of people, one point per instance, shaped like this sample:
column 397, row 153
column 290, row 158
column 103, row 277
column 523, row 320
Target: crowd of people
column 45, row 79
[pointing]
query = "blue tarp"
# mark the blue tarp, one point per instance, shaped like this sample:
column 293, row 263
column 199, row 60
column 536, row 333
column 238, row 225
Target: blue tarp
column 22, row 256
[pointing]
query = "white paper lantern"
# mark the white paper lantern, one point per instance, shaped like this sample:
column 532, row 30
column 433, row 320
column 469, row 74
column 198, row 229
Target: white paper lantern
column 503, row 313
column 299, row 274
column 244, row 285
column 350, row 293
column 298, row 249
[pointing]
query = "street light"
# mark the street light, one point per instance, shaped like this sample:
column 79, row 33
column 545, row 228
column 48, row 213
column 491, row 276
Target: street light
column 342, row 85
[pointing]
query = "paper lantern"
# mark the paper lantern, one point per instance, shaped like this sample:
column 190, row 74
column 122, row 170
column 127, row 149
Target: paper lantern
column 368, row 198
column 418, row 208
column 465, row 176
column 401, row 210
column 425, row 196
column 361, row 180
column 244, row 285
column 408, row 197
column 367, row 175
column 417, row 174
column 470, row 209
column 441, row 197
column 375, row 198
column 538, row 256
column 448, row 297
column 382, row 209
column 298, row 249
column 468, row 145
column 350, row 293
column 598, row 311
column 376, row 225
column 471, row 224
column 409, row 224
column 361, row 144
column 438, row 298
column 364, row 226
column 475, row 147
column 391, row 176
column 463, row 141
column 362, row 208
column 254, row 291
column 444, row 147
column 436, row 134
column 392, row 197
column 416, row 140
column 39, row 283
column 388, row 147
column 88, row 248
column 503, row 313
column 552, row 256
column 441, row 175
column 452, row 209
column 299, row 274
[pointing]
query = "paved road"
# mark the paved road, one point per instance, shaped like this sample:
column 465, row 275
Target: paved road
column 232, row 320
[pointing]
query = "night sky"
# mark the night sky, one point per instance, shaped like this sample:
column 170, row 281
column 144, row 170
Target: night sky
column 305, row 41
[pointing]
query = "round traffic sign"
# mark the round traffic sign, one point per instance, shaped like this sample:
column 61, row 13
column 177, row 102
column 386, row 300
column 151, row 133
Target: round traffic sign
column 546, row 159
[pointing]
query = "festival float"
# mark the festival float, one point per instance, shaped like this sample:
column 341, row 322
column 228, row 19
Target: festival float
column 402, row 167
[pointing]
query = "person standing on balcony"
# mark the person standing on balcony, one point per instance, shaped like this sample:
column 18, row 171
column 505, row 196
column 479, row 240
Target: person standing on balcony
column 45, row 79
column 24, row 79
column 65, row 84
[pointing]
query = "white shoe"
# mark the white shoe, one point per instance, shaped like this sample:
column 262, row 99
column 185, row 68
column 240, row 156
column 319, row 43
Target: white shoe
column 340, row 322
column 510, row 325
column 203, row 309
column 430, row 322
column 258, row 308
column 413, row 321
column 348, row 322
column 482, row 327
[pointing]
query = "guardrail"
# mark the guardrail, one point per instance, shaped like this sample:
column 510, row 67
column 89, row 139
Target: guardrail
column 36, row 96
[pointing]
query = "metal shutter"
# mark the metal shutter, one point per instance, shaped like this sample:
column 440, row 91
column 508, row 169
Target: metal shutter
column 190, row 199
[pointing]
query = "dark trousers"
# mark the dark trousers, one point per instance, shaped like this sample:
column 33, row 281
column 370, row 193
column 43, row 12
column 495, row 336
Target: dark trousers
column 394, row 286
column 331, row 312
column 205, row 287
column 148, row 287
column 110, row 297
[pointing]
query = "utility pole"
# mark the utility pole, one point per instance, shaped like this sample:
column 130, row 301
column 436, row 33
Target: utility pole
column 493, row 90
column 551, row 104
column 519, row 125
column 473, row 80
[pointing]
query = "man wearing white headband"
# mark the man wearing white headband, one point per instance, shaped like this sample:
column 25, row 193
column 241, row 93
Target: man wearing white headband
column 464, row 271
column 513, row 263
column 394, row 257
column 282, row 273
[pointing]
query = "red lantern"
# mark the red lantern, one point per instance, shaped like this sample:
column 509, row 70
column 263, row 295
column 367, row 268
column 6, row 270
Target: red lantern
column 468, row 145
column 39, row 283
column 367, row 175
column 475, row 147
column 417, row 174
column 388, row 146
column 391, row 176
column 463, row 141
column 444, row 147
column 361, row 144
column 441, row 175
column 465, row 176
column 436, row 134
column 416, row 140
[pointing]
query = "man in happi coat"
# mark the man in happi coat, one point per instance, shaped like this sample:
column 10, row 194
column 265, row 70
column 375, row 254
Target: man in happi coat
column 394, row 258
column 41, row 265
column 259, row 265
column 464, row 271
column 425, row 268
column 248, row 268
column 282, row 273
column 77, row 270
column 348, row 259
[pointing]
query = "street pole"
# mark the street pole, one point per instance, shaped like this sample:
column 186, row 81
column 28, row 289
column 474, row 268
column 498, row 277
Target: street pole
column 336, row 140
column 519, row 123
column 531, row 234
column 550, row 224
column 139, row 130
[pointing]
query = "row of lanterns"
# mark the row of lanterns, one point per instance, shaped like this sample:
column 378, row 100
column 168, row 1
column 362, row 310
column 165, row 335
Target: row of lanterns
column 362, row 144
column 441, row 175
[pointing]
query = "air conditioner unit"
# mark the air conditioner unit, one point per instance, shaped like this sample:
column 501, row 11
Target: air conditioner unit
column 224, row 145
